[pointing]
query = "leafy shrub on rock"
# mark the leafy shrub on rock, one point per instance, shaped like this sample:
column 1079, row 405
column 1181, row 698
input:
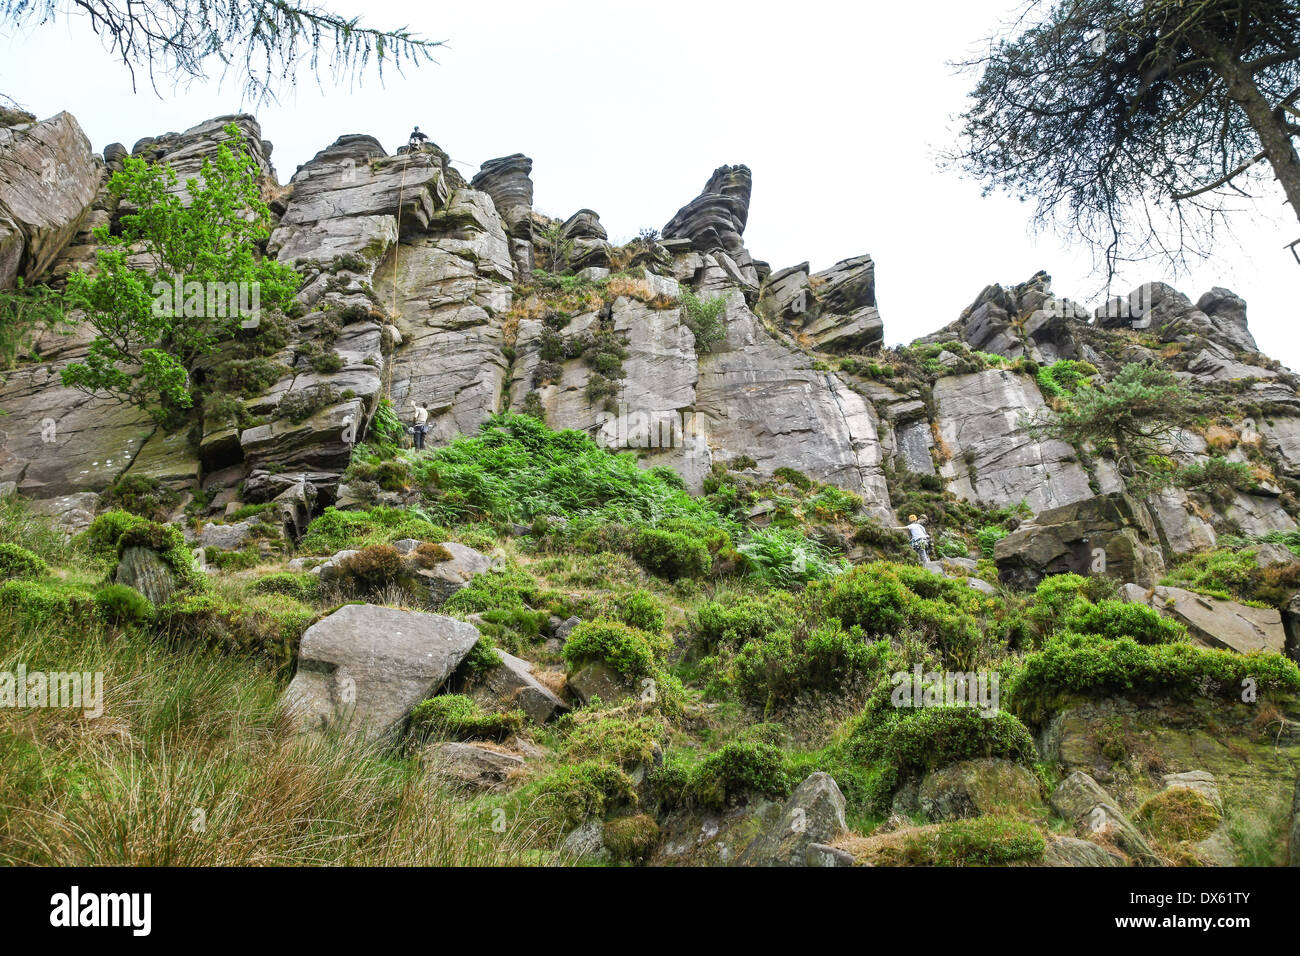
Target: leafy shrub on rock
column 45, row 602
column 631, row 838
column 111, row 533
column 370, row 569
column 1115, row 619
column 630, row 651
column 123, row 605
column 462, row 718
column 268, row 627
column 1071, row 665
column 739, row 768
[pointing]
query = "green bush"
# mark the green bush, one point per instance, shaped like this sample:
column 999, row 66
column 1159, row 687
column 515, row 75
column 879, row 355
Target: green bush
column 45, row 602
column 633, row 653
column 733, row 620
column 739, row 768
column 123, row 605
column 113, row 532
column 335, row 530
column 883, row 599
column 1218, row 477
column 983, row 841
column 482, row 657
column 18, row 562
column 785, row 557
column 1116, row 619
column 625, row 742
column 631, row 838
column 1179, row 814
column 1084, row 665
column 671, row 555
column 267, row 626
column 1064, row 377
column 1055, row 595
column 240, row 560
column 141, row 495
column 987, row 538
column 913, row 741
column 296, row 585
column 705, row 318
column 462, row 718
column 573, row 793
column 639, row 609
column 1222, row 573
column 785, row 663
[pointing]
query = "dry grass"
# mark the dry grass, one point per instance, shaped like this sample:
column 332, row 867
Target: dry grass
column 194, row 763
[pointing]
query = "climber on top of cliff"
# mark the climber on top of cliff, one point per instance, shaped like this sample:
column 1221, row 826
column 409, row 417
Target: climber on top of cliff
column 417, row 140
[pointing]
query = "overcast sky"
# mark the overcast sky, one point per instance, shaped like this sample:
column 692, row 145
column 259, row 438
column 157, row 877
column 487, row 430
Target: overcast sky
column 838, row 109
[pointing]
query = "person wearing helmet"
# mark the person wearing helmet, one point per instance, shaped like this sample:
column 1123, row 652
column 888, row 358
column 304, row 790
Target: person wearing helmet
column 920, row 537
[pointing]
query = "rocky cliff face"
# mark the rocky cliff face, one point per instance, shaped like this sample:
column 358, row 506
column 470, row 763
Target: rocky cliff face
column 423, row 287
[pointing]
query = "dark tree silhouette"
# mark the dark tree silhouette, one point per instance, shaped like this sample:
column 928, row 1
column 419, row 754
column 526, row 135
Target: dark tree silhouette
column 1138, row 125
column 261, row 42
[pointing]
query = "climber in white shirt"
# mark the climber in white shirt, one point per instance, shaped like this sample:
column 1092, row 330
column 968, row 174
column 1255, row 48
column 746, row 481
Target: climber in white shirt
column 421, row 422
column 920, row 537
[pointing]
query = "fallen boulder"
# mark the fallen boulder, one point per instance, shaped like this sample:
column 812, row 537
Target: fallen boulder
column 473, row 766
column 1081, row 801
column 365, row 667
column 976, row 788
column 1214, row 622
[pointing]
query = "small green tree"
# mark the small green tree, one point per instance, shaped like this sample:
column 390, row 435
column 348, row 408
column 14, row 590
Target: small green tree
column 705, row 318
column 178, row 280
column 1130, row 419
column 26, row 311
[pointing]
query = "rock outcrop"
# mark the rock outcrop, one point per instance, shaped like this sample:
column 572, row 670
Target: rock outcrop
column 1111, row 535
column 418, row 287
column 989, row 455
column 48, row 182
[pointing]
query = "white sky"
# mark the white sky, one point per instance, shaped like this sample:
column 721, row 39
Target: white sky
column 626, row 109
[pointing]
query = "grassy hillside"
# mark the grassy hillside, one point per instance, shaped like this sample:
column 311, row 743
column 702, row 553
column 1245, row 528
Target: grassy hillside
column 770, row 652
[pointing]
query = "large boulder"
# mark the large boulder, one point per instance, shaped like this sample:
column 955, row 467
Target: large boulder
column 145, row 570
column 598, row 679
column 507, row 181
column 974, row 788
column 1081, row 801
column 48, row 182
column 1214, row 622
column 814, row 814
column 512, row 685
column 835, row 309
column 364, row 667
column 72, row 514
column 473, row 766
column 1071, row 851
column 1110, row 534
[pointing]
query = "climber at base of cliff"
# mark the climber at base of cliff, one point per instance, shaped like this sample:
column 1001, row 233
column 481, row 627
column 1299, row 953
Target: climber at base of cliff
column 420, row 424
column 920, row 537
